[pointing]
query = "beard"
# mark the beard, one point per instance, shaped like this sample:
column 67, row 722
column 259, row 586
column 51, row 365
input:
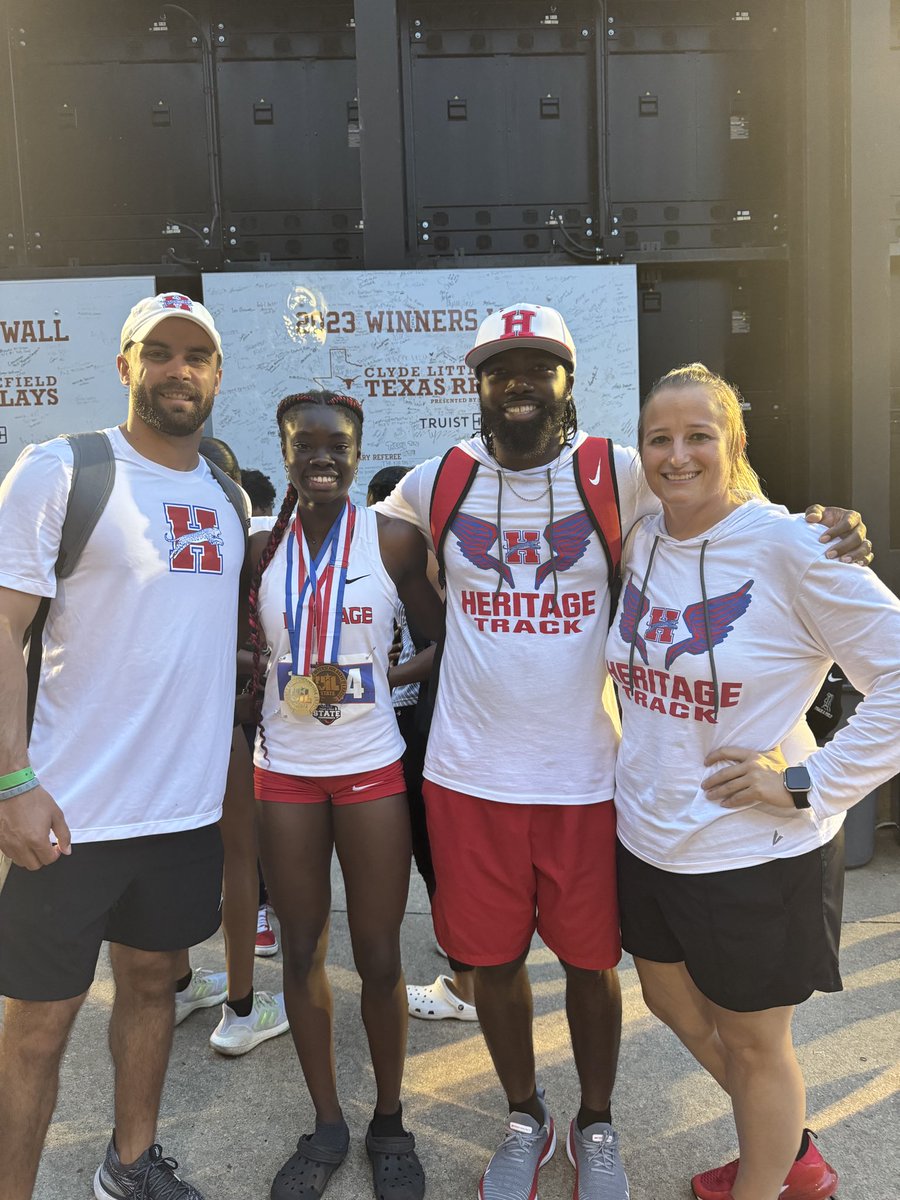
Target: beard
column 148, row 405
column 538, row 436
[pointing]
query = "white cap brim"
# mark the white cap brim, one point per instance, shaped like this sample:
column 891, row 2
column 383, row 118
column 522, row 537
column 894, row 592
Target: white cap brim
column 479, row 354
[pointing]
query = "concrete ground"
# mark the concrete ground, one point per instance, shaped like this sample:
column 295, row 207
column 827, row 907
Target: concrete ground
column 231, row 1123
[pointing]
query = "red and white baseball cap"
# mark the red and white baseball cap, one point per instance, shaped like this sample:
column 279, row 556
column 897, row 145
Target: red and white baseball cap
column 533, row 325
column 148, row 313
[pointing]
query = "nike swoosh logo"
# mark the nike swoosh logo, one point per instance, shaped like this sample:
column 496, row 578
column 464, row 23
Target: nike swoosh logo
column 833, row 678
column 361, row 787
column 776, row 836
column 596, row 478
column 355, row 578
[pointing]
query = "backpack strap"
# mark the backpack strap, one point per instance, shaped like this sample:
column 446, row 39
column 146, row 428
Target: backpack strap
column 455, row 475
column 235, row 494
column 595, row 477
column 93, row 476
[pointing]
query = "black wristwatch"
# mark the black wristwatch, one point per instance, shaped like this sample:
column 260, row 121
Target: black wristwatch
column 798, row 783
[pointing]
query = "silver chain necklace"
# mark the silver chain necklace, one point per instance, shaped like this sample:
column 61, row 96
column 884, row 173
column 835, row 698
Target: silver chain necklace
column 550, row 481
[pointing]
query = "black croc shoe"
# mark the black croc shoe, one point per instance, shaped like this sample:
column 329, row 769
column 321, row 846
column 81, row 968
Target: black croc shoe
column 305, row 1175
column 397, row 1173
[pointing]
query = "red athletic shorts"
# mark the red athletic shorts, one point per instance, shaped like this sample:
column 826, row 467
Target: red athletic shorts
column 504, row 870
column 339, row 789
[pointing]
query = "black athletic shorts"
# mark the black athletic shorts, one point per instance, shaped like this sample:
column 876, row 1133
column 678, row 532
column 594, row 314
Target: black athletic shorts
column 157, row 893
column 751, row 939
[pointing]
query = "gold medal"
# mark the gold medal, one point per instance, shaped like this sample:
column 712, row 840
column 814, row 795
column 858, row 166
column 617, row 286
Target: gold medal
column 301, row 696
column 330, row 681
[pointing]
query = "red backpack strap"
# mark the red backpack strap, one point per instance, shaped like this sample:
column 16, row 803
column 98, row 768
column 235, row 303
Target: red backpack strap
column 455, row 475
column 595, row 475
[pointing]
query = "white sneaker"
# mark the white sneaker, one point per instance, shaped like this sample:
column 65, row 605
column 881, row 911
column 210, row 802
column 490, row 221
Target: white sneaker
column 236, row 1035
column 206, row 989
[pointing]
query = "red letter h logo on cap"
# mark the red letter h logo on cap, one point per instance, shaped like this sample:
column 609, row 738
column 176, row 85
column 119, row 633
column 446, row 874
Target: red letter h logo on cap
column 518, row 323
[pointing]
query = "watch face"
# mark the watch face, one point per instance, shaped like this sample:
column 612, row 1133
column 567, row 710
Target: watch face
column 796, row 779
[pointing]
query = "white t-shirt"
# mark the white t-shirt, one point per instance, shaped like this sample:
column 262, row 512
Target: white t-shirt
column 523, row 712
column 260, row 524
column 779, row 612
column 363, row 735
column 134, row 712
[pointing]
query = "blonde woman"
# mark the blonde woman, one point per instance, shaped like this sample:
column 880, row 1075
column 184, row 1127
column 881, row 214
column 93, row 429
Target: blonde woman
column 729, row 818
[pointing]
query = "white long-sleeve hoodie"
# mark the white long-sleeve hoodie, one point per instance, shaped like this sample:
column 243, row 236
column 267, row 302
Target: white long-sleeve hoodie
column 778, row 614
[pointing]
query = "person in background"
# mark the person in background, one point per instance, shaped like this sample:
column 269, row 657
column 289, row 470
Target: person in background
column 447, row 997
column 262, row 496
column 249, row 1017
column 730, row 856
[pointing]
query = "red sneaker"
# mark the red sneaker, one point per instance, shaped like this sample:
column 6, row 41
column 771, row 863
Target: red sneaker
column 810, row 1178
column 266, row 940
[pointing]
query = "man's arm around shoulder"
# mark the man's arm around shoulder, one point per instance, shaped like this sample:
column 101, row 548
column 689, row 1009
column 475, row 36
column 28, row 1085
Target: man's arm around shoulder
column 26, row 820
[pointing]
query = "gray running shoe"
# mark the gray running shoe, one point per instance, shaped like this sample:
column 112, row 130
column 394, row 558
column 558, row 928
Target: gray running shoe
column 152, row 1177
column 594, row 1153
column 512, row 1173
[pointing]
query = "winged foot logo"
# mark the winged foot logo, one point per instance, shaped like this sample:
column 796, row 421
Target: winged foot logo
column 721, row 612
column 567, row 538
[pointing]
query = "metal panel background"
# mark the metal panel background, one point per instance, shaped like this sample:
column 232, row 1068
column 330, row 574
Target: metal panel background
column 732, row 318
column 289, row 131
column 12, row 233
column 504, row 152
column 503, row 124
column 111, row 120
column 696, row 104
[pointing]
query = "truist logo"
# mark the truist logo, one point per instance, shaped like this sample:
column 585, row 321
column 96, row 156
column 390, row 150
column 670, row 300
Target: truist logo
column 522, row 546
column 518, row 323
column 195, row 538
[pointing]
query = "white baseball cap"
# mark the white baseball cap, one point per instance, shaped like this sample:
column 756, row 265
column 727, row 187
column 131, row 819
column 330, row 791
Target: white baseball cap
column 148, row 313
column 533, row 325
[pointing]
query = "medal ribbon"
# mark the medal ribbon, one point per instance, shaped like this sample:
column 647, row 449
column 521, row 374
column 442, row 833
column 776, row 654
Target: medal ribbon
column 313, row 625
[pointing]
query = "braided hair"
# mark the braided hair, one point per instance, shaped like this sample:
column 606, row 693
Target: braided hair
column 288, row 504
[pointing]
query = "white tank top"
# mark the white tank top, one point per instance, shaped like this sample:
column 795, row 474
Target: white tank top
column 362, row 734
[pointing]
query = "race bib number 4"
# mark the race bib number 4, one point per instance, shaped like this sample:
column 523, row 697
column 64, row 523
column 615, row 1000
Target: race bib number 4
column 360, row 682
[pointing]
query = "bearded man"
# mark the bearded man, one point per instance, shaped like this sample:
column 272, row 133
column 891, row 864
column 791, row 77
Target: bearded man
column 108, row 818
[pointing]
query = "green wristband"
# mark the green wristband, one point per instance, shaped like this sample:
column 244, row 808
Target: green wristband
column 15, row 778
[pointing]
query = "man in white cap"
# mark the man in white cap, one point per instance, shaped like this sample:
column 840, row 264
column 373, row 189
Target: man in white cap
column 519, row 774
column 109, row 814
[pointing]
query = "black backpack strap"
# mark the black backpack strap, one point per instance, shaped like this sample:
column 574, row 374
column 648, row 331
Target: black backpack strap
column 235, row 494
column 33, row 662
column 93, row 475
